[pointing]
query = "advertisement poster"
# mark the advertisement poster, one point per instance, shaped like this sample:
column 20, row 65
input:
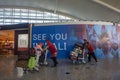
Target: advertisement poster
column 63, row 36
column 104, row 38
column 23, row 41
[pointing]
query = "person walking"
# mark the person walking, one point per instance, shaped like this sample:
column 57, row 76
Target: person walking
column 90, row 50
column 53, row 51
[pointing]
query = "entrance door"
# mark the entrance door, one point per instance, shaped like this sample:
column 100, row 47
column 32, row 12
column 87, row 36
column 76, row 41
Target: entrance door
column 6, row 42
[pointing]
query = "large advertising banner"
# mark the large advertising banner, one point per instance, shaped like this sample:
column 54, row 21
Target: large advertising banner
column 104, row 39
column 63, row 36
column 118, row 36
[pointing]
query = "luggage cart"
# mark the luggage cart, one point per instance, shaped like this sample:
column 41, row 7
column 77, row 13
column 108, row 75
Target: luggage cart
column 43, row 58
column 78, row 54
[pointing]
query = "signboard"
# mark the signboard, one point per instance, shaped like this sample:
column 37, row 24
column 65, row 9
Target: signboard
column 23, row 41
column 104, row 38
column 63, row 36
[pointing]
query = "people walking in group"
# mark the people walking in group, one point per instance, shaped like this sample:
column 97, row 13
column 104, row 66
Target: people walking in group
column 53, row 51
column 90, row 50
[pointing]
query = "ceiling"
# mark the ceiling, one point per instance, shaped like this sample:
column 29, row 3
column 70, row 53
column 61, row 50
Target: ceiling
column 95, row 10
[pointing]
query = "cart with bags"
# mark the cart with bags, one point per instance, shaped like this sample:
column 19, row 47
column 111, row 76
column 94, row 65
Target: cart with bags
column 78, row 55
column 43, row 58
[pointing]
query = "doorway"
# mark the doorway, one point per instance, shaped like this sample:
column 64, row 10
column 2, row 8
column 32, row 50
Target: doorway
column 7, row 42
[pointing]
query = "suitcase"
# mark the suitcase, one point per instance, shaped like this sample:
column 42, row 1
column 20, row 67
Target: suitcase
column 31, row 62
column 42, row 58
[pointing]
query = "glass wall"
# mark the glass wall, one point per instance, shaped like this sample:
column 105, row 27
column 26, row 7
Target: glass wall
column 15, row 16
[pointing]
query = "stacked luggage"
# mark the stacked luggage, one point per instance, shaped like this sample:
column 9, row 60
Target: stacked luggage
column 78, row 55
column 27, row 60
column 32, row 63
column 22, row 61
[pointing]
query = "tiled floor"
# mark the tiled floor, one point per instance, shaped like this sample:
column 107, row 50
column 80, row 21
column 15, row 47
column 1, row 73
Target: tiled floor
column 103, row 70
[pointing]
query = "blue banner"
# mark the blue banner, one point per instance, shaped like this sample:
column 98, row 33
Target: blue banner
column 104, row 38
column 63, row 36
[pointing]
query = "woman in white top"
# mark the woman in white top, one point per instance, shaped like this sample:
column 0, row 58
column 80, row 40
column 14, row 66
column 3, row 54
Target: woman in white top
column 39, row 50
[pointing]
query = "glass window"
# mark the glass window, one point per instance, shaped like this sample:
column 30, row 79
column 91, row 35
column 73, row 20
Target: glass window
column 1, row 20
column 1, row 9
column 1, row 23
column 1, row 14
column 24, row 14
column 16, row 15
column 24, row 10
column 61, row 17
column 32, row 21
column 16, row 21
column 39, row 17
column 39, row 21
column 32, row 14
column 8, row 10
column 7, row 20
column 32, row 11
column 24, row 21
column 7, row 14
column 16, row 10
column 6, row 23
column 39, row 12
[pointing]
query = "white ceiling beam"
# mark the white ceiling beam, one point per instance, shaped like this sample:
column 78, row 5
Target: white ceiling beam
column 107, row 5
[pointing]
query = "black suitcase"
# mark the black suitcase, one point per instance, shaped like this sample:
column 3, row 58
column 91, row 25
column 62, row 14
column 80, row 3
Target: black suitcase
column 42, row 58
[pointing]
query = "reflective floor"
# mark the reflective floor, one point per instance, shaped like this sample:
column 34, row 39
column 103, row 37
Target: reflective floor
column 102, row 70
